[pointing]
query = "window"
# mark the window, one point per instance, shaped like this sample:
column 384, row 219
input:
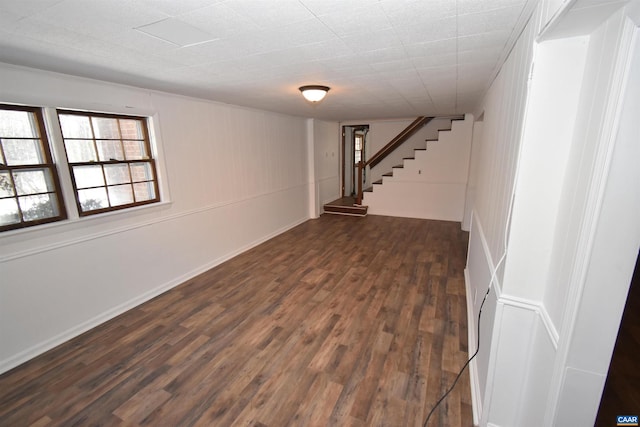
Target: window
column 29, row 187
column 358, row 140
column 110, row 161
column 109, row 158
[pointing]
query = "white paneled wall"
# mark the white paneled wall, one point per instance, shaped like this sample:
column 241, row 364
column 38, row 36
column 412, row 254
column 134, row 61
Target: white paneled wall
column 494, row 170
column 433, row 184
column 550, row 117
column 599, row 217
column 503, row 109
column 236, row 178
column 326, row 140
column 381, row 132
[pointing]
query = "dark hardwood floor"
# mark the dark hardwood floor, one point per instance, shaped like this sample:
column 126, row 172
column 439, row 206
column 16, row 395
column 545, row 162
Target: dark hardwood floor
column 621, row 395
column 340, row 321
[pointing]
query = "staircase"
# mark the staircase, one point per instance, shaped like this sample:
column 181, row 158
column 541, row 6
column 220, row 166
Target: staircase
column 345, row 206
column 432, row 183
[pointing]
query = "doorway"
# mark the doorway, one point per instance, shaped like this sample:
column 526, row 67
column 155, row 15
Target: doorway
column 354, row 149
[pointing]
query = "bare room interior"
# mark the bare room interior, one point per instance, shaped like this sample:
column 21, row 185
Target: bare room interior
column 319, row 212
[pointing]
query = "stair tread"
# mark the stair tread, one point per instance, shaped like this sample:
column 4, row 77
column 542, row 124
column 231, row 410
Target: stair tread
column 397, row 166
column 368, row 189
column 356, row 210
column 377, row 182
column 388, row 174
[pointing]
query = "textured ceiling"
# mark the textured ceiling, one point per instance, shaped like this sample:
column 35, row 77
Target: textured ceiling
column 382, row 59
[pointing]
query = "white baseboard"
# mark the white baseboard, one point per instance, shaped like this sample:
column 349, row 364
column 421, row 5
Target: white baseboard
column 56, row 340
column 472, row 339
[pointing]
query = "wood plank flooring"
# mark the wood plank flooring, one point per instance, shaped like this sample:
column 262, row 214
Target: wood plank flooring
column 340, row 321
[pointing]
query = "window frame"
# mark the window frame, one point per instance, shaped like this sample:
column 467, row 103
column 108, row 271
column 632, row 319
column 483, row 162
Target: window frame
column 151, row 160
column 49, row 164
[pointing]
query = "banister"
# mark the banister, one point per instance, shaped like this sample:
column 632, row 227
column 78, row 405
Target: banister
column 398, row 140
column 359, row 194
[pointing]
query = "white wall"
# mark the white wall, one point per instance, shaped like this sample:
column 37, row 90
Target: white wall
column 381, row 132
column 432, row 185
column 495, row 157
column 549, row 135
column 524, row 333
column 236, row 177
column 327, row 160
column 602, row 211
column 472, row 179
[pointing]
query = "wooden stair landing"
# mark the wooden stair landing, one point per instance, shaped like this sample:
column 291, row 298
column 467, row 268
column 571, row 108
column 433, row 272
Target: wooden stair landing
column 345, row 206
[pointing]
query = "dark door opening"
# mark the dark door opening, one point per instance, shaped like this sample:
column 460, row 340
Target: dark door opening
column 621, row 395
column 354, row 149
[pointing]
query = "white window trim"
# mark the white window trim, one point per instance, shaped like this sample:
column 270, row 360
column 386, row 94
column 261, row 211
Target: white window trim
column 58, row 154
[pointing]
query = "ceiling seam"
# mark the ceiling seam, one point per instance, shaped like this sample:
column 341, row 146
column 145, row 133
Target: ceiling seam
column 413, row 64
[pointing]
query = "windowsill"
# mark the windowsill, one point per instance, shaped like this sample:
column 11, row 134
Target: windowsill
column 85, row 219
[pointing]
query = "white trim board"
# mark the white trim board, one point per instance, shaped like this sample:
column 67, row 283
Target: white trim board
column 472, row 339
column 67, row 335
column 69, row 242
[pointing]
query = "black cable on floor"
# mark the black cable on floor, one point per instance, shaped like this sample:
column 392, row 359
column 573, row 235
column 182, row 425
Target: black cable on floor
column 464, row 366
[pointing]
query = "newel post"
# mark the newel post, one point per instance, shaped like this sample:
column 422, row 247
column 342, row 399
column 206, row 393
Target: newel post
column 359, row 197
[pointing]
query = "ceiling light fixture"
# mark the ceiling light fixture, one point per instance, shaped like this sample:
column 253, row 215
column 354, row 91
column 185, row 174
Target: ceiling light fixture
column 314, row 93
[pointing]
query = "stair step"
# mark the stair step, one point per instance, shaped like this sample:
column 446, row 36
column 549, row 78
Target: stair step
column 408, row 158
column 378, row 182
column 368, row 189
column 398, row 166
column 388, row 174
column 346, row 210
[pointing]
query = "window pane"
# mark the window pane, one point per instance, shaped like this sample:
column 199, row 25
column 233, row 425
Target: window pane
column 28, row 184
column 131, row 129
column 80, row 150
column 105, row 128
column 135, row 150
column 144, row 191
column 110, row 150
column 22, row 151
column 9, row 212
column 120, row 195
column 88, row 176
column 93, row 198
column 115, row 155
column 75, row 126
column 33, row 181
column 117, row 174
column 38, row 207
column 6, row 186
column 17, row 124
column 141, row 172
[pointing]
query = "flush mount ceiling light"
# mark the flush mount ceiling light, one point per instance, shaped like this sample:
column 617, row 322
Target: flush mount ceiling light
column 314, row 93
